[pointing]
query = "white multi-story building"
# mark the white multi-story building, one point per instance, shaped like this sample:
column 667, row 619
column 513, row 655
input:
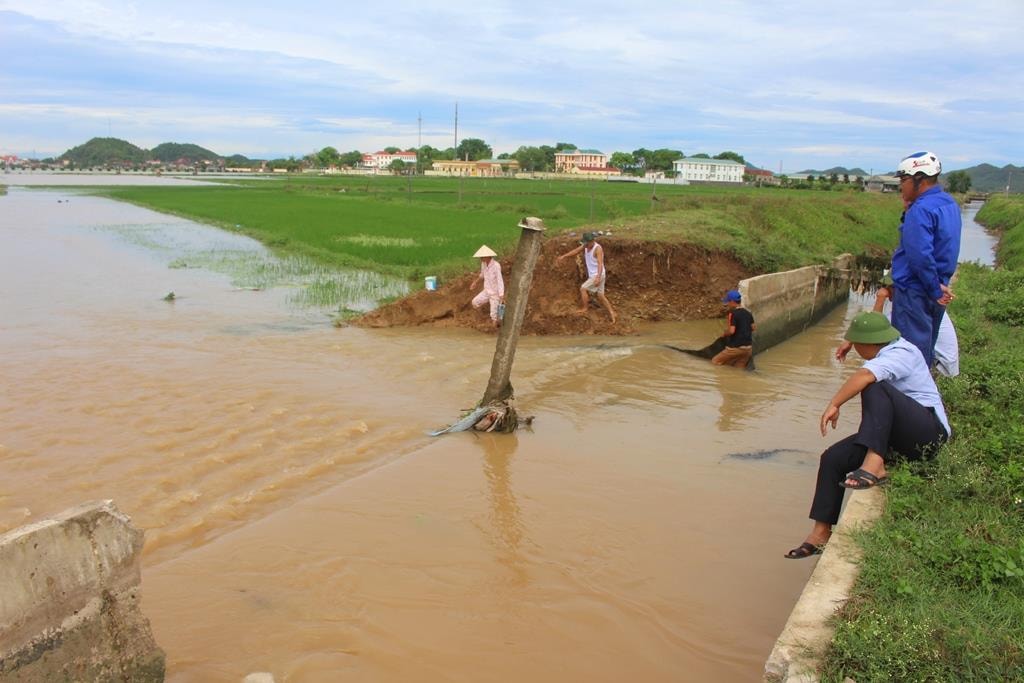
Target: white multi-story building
column 709, row 170
column 382, row 160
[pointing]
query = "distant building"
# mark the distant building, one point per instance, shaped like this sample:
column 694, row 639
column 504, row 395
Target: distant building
column 882, row 183
column 582, row 161
column 482, row 168
column 709, row 170
column 760, row 176
column 382, row 160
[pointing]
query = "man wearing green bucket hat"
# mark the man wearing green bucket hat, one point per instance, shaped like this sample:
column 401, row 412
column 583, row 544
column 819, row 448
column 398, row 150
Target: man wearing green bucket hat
column 947, row 346
column 901, row 413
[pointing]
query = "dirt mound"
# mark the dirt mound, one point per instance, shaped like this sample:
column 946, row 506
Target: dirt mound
column 647, row 281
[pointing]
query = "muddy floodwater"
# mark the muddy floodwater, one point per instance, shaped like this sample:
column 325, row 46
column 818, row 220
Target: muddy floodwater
column 300, row 522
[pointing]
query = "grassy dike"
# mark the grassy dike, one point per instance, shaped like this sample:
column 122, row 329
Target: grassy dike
column 941, row 594
column 431, row 226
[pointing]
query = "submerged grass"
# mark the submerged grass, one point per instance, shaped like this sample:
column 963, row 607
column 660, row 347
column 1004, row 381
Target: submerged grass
column 251, row 266
column 941, row 594
column 431, row 225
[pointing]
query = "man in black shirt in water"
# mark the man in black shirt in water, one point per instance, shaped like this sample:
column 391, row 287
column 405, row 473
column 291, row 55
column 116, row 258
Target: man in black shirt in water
column 739, row 333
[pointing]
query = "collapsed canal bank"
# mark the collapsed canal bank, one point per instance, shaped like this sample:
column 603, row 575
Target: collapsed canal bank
column 647, row 281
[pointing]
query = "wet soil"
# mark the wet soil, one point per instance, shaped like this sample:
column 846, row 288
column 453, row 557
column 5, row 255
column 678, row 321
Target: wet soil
column 647, row 281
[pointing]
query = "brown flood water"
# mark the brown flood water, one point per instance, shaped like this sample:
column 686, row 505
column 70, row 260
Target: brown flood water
column 299, row 521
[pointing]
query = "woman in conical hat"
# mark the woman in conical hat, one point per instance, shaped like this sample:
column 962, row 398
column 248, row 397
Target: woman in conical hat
column 494, row 285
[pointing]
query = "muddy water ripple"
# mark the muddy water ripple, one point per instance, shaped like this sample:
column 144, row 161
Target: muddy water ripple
column 299, row 521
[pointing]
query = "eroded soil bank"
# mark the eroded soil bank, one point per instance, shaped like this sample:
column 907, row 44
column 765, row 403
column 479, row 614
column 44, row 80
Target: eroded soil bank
column 647, row 281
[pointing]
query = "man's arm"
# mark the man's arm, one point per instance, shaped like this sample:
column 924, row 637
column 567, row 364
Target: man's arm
column 856, row 383
column 600, row 262
column 880, row 296
column 730, row 329
column 571, row 252
column 919, row 246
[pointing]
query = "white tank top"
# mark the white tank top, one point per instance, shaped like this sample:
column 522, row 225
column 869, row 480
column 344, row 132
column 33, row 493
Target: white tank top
column 590, row 256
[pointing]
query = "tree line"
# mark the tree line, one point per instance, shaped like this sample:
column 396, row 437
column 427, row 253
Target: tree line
column 531, row 159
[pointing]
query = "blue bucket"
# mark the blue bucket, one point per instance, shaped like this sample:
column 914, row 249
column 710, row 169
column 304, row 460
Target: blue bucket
column 430, row 282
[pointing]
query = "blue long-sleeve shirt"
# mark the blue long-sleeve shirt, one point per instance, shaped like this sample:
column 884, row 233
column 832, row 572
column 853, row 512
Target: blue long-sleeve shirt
column 929, row 243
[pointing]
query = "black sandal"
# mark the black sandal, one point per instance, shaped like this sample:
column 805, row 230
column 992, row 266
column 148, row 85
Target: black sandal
column 863, row 479
column 805, row 549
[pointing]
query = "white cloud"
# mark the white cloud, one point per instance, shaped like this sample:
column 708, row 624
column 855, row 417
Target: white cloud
column 776, row 77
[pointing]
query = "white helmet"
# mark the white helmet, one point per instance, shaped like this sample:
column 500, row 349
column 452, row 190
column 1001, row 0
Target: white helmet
column 925, row 163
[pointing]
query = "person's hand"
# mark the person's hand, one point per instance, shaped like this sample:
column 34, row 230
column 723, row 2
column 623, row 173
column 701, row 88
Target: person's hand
column 947, row 295
column 843, row 350
column 831, row 415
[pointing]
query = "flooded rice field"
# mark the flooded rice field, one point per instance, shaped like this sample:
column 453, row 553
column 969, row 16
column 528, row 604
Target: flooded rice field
column 298, row 520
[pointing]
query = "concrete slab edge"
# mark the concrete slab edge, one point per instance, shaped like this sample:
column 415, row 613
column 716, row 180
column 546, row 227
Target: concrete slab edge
column 797, row 655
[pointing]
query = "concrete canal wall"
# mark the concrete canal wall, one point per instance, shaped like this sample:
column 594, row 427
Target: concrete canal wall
column 69, row 600
column 787, row 303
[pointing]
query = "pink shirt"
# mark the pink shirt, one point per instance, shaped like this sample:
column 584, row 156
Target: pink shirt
column 494, row 284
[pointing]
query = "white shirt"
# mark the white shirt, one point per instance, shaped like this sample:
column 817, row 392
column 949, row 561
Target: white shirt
column 902, row 365
column 590, row 256
column 947, row 349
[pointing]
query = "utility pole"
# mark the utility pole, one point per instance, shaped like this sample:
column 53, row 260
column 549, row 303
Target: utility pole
column 419, row 139
column 455, row 142
column 499, row 389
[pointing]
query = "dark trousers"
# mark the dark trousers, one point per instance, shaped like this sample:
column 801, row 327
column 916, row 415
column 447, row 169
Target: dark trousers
column 890, row 421
column 917, row 317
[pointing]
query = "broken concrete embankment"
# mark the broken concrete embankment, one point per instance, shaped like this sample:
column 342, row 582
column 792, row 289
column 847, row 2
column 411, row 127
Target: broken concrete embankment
column 69, row 600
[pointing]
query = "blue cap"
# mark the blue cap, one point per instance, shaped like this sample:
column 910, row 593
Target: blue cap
column 732, row 295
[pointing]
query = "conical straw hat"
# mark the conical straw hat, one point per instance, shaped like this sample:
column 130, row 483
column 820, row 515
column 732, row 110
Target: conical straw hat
column 484, row 251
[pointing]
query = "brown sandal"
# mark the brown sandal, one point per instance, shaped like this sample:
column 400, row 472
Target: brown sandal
column 804, row 550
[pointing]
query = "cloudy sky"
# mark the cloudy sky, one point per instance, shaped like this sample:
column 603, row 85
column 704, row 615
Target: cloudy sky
column 794, row 85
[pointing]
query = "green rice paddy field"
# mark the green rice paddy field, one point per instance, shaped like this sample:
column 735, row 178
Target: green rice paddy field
column 433, row 225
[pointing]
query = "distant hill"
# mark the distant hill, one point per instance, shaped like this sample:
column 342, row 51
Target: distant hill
column 100, row 151
column 106, row 151
column 988, row 178
column 239, row 160
column 839, row 171
column 172, row 151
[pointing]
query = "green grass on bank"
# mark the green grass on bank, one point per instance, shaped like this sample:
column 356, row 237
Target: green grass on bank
column 1006, row 214
column 941, row 595
column 378, row 223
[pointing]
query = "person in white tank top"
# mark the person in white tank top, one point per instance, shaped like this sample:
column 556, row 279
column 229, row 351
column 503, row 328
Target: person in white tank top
column 597, row 274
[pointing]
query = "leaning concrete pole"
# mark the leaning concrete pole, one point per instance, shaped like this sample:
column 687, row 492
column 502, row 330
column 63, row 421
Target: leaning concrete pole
column 499, row 388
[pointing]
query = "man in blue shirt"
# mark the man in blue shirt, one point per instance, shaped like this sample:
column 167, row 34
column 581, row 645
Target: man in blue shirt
column 927, row 254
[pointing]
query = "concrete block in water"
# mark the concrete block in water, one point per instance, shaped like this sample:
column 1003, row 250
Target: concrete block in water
column 786, row 303
column 69, row 600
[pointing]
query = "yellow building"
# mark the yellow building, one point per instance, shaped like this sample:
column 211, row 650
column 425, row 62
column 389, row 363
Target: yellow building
column 484, row 168
column 580, row 160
